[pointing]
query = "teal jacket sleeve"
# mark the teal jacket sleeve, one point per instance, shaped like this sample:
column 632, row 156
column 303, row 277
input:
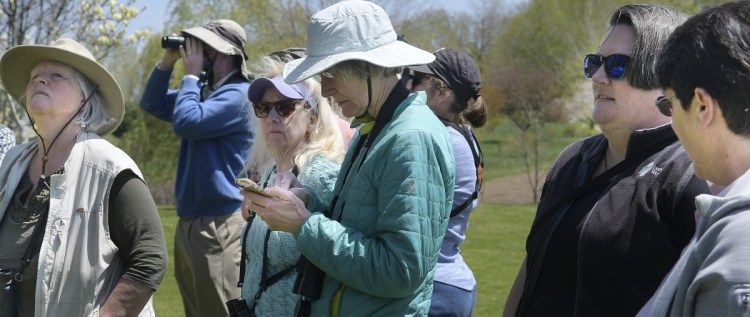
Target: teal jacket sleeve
column 389, row 236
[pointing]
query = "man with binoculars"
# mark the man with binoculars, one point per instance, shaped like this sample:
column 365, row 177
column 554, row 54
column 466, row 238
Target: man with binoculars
column 210, row 114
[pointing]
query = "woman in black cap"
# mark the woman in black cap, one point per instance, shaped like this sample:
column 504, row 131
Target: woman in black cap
column 453, row 82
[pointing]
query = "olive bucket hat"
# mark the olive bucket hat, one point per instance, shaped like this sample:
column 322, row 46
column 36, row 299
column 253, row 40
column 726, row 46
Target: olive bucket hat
column 17, row 62
column 225, row 36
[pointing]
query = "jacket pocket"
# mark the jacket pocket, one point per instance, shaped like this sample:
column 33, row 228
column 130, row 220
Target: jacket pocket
column 739, row 301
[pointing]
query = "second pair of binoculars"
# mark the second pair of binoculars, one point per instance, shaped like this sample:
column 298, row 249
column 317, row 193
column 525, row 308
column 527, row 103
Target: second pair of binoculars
column 172, row 41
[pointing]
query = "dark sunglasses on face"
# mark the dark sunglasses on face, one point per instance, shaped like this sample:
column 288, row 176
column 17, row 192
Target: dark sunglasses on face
column 664, row 104
column 614, row 65
column 284, row 108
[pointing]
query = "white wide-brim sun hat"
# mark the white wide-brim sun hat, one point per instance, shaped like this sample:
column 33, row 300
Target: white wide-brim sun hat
column 17, row 62
column 352, row 30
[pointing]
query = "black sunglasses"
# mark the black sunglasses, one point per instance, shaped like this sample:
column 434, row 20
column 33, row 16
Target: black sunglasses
column 614, row 65
column 664, row 104
column 289, row 54
column 284, row 108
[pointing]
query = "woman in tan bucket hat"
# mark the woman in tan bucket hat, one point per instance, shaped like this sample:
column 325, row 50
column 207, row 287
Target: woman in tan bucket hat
column 79, row 232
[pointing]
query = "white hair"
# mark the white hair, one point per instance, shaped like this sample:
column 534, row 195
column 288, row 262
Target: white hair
column 92, row 117
column 325, row 139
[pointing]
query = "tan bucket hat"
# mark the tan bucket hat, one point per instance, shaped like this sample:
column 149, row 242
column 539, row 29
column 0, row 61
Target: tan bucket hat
column 17, row 62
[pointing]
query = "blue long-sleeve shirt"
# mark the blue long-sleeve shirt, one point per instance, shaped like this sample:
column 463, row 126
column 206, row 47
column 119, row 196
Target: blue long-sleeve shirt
column 217, row 136
column 451, row 268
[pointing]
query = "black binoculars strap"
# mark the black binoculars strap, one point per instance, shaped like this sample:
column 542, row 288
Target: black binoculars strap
column 398, row 95
column 265, row 283
column 243, row 255
column 308, row 273
column 478, row 160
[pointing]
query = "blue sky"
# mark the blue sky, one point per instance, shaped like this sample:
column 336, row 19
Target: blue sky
column 153, row 16
column 156, row 11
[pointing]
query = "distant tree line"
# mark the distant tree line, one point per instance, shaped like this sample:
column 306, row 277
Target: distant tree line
column 529, row 53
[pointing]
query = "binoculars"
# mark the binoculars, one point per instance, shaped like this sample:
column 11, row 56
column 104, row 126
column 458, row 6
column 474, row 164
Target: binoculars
column 172, row 41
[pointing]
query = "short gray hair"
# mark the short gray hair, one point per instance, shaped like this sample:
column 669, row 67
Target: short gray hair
column 92, row 117
column 652, row 25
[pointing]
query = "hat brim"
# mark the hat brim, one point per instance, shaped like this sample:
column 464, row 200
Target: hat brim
column 213, row 40
column 259, row 86
column 393, row 54
column 422, row 69
column 15, row 73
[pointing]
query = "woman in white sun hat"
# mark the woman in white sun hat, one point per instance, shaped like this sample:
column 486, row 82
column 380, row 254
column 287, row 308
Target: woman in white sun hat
column 79, row 231
column 372, row 250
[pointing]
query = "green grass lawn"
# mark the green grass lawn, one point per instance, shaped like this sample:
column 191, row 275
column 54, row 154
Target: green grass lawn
column 494, row 249
column 167, row 300
column 500, row 146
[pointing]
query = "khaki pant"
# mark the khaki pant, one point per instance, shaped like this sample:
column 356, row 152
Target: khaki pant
column 207, row 262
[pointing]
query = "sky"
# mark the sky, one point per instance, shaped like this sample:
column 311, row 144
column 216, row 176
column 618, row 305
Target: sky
column 156, row 12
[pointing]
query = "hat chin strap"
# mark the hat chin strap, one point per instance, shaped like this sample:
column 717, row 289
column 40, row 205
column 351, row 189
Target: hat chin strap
column 45, row 149
column 206, row 78
column 369, row 95
column 208, row 70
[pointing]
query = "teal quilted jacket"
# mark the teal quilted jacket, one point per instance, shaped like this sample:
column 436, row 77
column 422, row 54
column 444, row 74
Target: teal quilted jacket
column 381, row 255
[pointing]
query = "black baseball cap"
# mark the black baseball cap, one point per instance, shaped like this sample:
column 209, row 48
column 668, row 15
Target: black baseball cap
column 289, row 54
column 457, row 69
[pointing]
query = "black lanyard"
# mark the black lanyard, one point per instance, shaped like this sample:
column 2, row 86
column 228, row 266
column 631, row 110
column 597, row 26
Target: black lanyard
column 397, row 95
column 264, row 282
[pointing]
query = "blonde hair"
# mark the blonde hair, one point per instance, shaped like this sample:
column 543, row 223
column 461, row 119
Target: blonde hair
column 325, row 139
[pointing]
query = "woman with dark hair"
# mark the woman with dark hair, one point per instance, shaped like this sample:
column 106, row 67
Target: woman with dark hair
column 453, row 82
column 616, row 208
column 704, row 72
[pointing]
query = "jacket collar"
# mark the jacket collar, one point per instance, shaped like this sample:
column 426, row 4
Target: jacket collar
column 642, row 140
